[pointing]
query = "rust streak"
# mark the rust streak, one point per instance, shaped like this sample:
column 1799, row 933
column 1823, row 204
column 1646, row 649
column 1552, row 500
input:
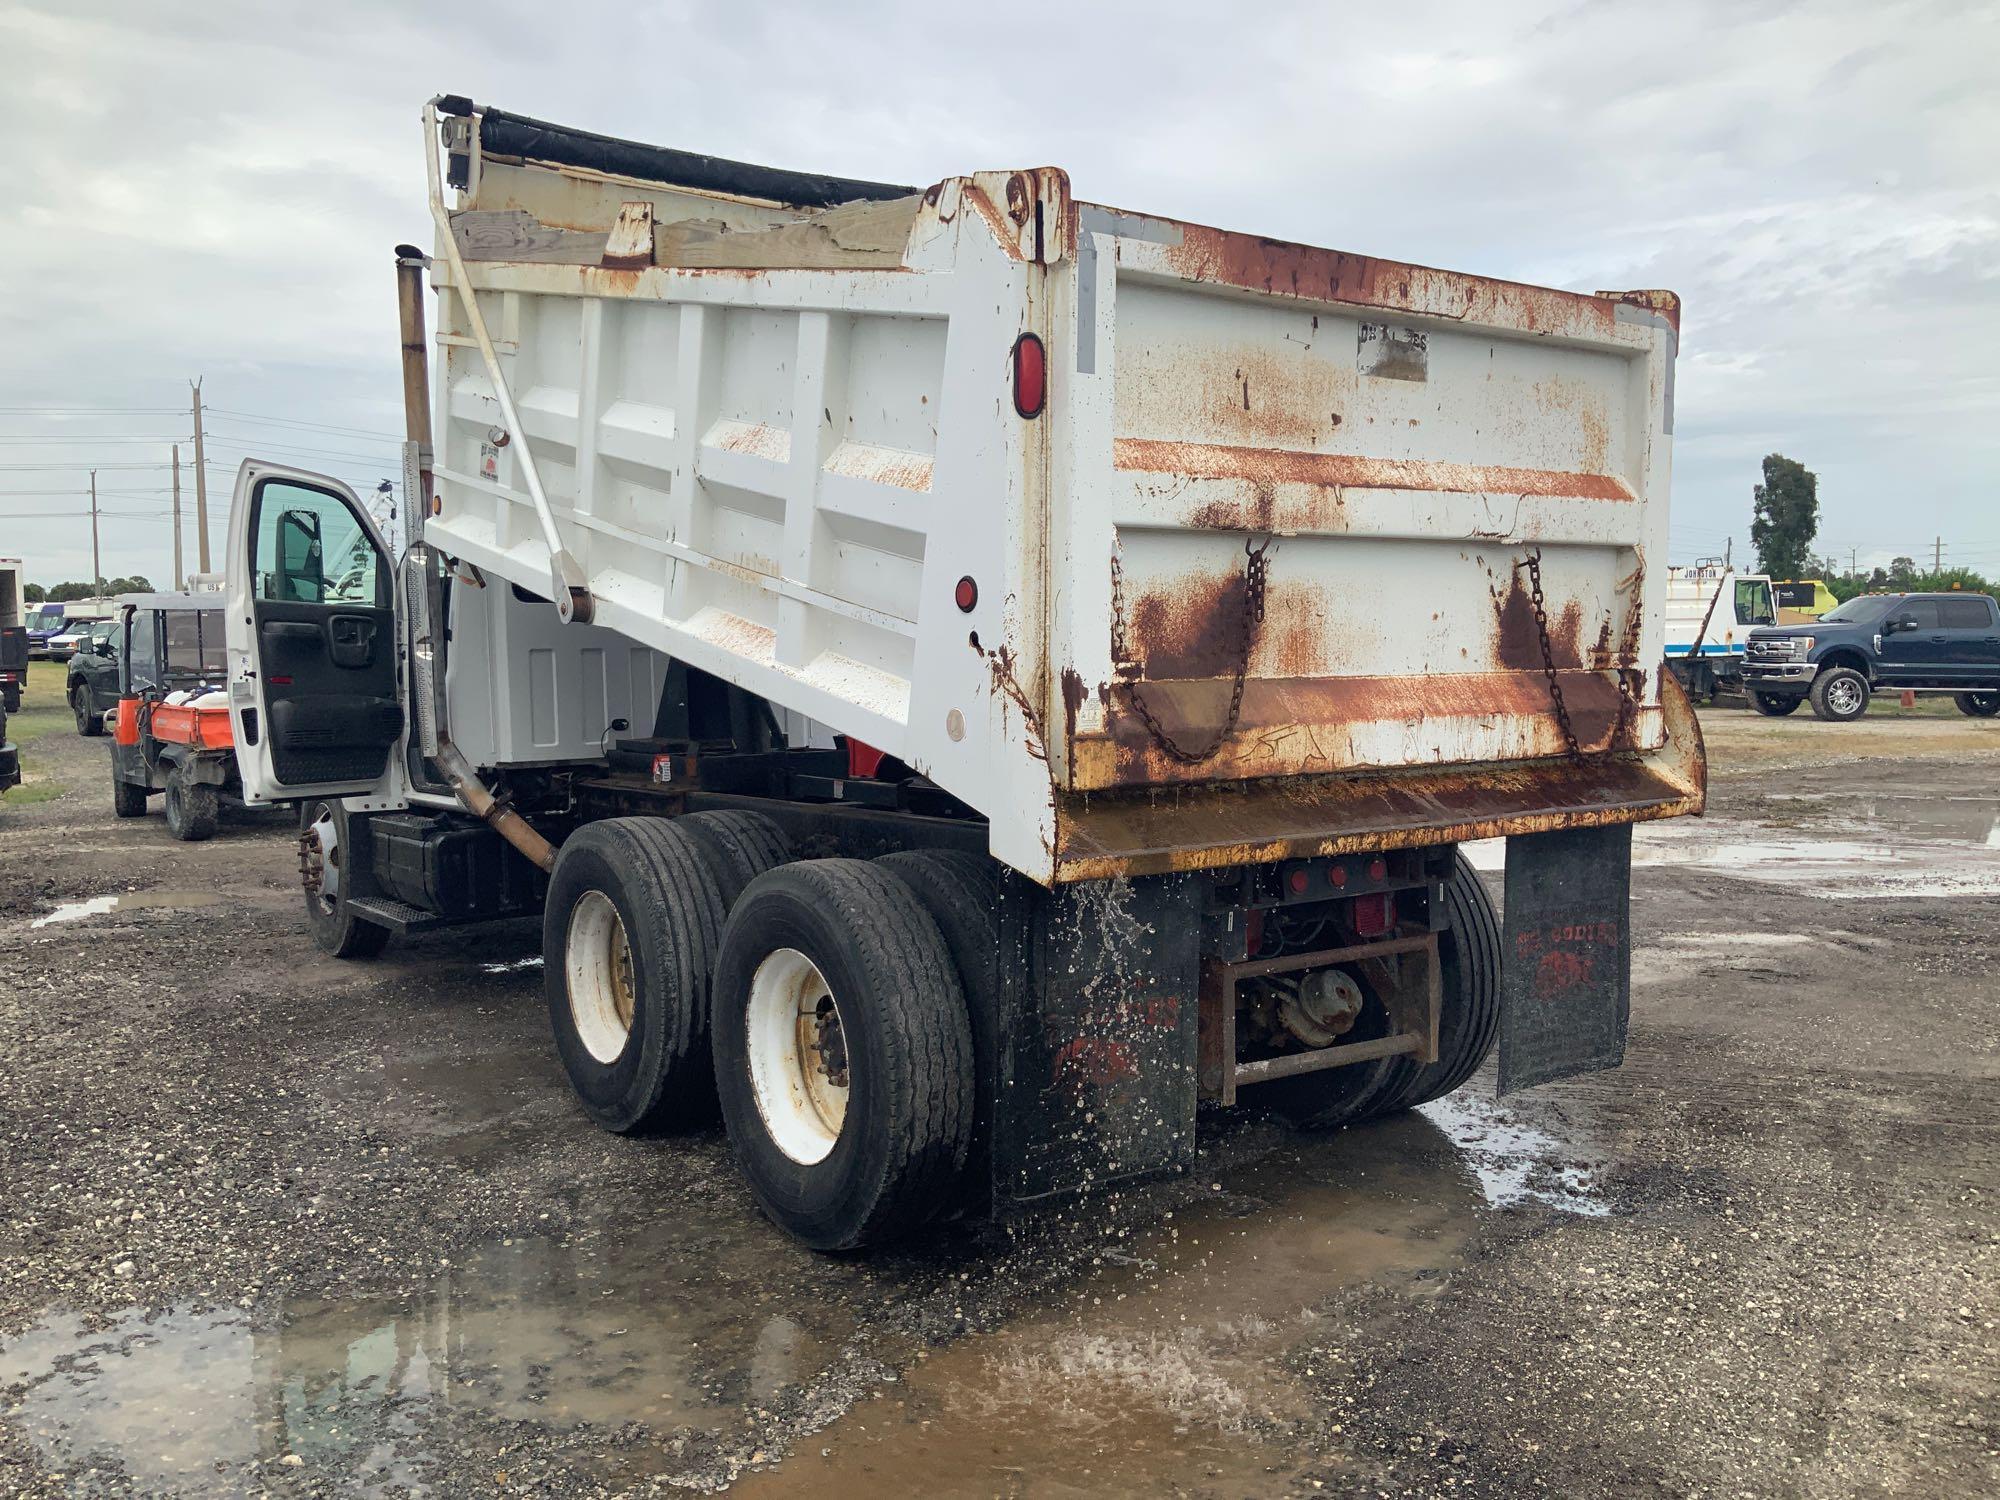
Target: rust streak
column 1271, row 466
column 1292, row 726
column 1286, row 269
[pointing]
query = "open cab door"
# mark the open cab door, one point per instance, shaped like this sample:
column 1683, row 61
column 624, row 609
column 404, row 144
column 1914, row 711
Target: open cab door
column 311, row 633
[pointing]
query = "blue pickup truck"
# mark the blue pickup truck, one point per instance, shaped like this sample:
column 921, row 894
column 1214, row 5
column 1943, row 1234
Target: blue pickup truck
column 1931, row 643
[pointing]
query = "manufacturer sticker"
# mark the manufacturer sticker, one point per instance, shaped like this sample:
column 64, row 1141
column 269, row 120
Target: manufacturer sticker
column 1393, row 353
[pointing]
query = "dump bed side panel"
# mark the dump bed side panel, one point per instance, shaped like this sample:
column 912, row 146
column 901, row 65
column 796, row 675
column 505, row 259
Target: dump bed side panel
column 1399, row 444
column 774, row 449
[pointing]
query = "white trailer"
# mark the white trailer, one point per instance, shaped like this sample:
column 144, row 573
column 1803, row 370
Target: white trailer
column 966, row 673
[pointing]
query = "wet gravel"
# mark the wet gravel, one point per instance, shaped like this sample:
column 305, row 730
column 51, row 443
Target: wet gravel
column 278, row 1224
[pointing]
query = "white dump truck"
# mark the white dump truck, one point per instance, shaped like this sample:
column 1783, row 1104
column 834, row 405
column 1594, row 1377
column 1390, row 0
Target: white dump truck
column 966, row 675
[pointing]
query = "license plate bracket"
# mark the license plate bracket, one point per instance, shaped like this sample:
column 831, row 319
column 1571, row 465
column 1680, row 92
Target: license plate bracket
column 1566, row 965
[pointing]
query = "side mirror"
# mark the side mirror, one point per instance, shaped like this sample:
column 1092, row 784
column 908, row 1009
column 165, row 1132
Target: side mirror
column 1906, row 622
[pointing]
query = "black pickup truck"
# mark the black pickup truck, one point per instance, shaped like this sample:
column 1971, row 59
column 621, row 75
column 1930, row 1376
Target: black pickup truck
column 1932, row 643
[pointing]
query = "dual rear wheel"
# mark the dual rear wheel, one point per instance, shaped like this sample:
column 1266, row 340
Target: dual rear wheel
column 691, row 965
column 842, row 1013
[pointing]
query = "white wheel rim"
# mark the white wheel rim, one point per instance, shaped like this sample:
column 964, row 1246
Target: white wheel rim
column 1843, row 697
column 799, row 1071
column 597, row 969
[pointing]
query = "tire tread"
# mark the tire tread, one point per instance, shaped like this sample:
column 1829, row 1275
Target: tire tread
column 925, row 1039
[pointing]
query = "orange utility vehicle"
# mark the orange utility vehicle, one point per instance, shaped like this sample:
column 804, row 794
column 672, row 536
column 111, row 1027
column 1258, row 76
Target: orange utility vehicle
column 173, row 733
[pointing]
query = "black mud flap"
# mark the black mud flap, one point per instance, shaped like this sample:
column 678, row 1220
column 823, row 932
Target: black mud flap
column 1566, row 965
column 1096, row 1074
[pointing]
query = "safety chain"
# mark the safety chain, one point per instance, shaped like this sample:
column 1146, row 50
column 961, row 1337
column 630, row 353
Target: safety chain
column 1246, row 631
column 1533, row 563
column 1628, row 699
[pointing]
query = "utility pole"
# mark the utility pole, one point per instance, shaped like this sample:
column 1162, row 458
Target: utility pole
column 179, row 577
column 96, row 561
column 200, row 489
column 1853, row 561
column 1937, row 555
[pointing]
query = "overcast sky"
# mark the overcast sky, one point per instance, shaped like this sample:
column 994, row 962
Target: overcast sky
column 215, row 188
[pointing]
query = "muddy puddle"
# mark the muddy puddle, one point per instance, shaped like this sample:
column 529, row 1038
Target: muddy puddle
column 528, row 1330
column 1181, row 1358
column 100, row 906
column 1183, row 1363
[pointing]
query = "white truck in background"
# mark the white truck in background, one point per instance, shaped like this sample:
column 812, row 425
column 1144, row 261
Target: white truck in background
column 965, row 674
column 1710, row 611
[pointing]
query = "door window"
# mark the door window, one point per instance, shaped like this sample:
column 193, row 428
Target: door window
column 1923, row 611
column 307, row 547
column 1753, row 602
column 1964, row 614
column 140, row 668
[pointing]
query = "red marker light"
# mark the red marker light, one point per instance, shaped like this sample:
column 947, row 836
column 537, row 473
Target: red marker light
column 1337, row 876
column 967, row 593
column 1031, row 375
column 1372, row 914
column 1378, row 869
column 1297, row 881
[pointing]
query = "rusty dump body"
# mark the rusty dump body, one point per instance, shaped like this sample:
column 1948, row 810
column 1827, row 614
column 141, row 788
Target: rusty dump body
column 1303, row 551
column 1375, row 542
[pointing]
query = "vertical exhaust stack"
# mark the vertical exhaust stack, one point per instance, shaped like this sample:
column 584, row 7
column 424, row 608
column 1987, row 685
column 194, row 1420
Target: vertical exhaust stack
column 426, row 683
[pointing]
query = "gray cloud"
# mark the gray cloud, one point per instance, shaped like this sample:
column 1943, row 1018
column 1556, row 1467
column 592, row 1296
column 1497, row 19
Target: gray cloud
column 215, row 189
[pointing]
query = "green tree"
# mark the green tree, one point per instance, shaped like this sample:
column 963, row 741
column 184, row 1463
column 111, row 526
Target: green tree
column 1902, row 572
column 1784, row 517
column 34, row 593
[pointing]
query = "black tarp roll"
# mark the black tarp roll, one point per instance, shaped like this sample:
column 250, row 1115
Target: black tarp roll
column 502, row 134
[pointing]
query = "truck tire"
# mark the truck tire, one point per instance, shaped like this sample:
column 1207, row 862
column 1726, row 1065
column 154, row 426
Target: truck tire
column 193, row 808
column 1469, row 1015
column 741, row 846
column 88, row 720
column 628, row 936
column 336, row 930
column 128, row 798
column 1773, row 705
column 843, row 1056
column 961, row 892
column 1977, row 705
column 1839, row 695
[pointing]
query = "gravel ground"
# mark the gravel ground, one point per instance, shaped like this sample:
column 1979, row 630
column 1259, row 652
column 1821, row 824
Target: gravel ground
column 277, row 1224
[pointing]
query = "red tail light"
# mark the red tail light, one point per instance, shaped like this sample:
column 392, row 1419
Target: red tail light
column 1031, row 375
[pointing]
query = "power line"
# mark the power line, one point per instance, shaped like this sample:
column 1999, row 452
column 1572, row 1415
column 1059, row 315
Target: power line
column 90, row 411
column 247, row 416
column 253, row 446
column 86, row 437
column 82, row 468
